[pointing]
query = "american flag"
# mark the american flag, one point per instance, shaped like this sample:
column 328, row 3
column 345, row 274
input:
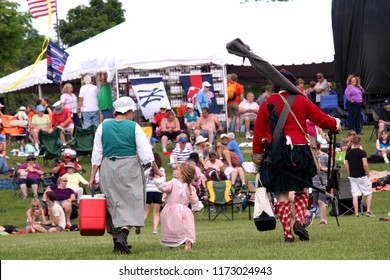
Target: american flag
column 39, row 8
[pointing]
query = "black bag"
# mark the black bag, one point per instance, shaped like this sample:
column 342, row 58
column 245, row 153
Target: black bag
column 265, row 222
column 374, row 158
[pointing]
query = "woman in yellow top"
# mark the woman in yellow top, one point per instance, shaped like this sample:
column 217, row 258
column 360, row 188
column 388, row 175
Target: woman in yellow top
column 74, row 180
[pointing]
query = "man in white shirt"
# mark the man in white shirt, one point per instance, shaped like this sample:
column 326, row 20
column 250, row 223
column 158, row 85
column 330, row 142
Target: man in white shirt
column 88, row 102
column 248, row 111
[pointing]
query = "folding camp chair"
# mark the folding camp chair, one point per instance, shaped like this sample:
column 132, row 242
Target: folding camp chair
column 14, row 129
column 50, row 145
column 219, row 198
column 82, row 141
column 344, row 199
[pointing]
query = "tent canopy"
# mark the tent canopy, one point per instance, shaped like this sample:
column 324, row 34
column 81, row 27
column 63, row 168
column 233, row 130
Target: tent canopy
column 150, row 39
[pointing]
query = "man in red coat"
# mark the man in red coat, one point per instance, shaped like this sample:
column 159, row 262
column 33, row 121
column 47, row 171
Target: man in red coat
column 292, row 154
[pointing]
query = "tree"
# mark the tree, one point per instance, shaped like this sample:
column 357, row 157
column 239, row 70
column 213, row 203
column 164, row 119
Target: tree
column 15, row 32
column 85, row 22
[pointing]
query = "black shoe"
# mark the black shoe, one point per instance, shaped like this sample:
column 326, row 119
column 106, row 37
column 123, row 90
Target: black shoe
column 121, row 246
column 300, row 231
column 289, row 240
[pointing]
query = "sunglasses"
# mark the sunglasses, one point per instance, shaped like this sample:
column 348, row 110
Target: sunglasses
column 31, row 159
column 36, row 206
column 64, row 181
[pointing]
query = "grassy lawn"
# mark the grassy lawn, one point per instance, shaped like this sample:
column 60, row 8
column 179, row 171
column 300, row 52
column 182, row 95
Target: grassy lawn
column 356, row 238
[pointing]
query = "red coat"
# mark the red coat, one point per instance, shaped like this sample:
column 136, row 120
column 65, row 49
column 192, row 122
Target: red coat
column 303, row 109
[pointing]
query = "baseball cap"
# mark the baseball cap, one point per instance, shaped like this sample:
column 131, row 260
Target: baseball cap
column 124, row 104
column 206, row 84
column 22, row 108
column 190, row 105
column 67, row 155
column 163, row 106
column 387, row 102
column 58, row 109
column 40, row 108
column 1, row 105
column 223, row 135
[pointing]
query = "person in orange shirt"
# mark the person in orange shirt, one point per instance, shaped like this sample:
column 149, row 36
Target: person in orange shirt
column 232, row 104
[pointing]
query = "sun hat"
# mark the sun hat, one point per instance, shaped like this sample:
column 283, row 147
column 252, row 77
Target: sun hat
column 70, row 165
column 40, row 108
column 124, row 104
column 231, row 135
column 30, row 157
column 200, row 139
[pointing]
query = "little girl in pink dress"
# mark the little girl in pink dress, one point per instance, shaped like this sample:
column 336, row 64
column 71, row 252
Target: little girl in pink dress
column 177, row 220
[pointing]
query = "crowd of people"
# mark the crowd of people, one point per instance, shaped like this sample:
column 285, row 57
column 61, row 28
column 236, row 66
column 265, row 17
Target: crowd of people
column 200, row 144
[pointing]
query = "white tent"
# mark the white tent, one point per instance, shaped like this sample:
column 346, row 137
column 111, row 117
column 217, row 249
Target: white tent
column 155, row 38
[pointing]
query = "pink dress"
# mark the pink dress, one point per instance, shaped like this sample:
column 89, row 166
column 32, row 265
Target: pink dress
column 177, row 220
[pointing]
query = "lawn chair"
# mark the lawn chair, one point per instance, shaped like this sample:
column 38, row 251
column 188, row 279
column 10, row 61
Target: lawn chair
column 50, row 145
column 82, row 141
column 344, row 204
column 14, row 129
column 219, row 198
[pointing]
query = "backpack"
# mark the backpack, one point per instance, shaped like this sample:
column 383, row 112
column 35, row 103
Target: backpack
column 232, row 91
column 213, row 175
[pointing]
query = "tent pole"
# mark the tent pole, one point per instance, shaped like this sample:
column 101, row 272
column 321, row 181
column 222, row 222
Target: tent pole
column 117, row 83
column 39, row 91
column 224, row 76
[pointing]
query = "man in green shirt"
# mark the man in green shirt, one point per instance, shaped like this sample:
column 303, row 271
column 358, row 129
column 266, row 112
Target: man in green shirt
column 105, row 98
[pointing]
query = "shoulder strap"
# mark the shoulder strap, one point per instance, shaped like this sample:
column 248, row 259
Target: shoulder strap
column 282, row 120
column 287, row 103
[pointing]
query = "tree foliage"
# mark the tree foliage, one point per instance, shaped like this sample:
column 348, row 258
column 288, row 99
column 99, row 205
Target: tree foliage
column 20, row 42
column 85, row 22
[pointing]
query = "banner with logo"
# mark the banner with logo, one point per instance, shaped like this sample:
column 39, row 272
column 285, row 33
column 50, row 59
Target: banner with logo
column 193, row 83
column 151, row 94
column 56, row 61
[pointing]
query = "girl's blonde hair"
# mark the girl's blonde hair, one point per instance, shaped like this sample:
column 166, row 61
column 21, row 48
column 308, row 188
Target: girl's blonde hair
column 35, row 201
column 187, row 172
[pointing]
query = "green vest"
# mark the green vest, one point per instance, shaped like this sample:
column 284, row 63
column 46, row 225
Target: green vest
column 118, row 138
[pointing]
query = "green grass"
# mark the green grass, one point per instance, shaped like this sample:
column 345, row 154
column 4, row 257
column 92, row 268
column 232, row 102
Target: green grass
column 356, row 238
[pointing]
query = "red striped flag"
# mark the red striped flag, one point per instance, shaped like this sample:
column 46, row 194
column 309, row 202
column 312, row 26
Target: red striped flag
column 39, row 8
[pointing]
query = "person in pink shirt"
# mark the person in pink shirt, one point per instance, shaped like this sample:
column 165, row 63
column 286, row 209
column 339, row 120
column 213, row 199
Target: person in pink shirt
column 62, row 118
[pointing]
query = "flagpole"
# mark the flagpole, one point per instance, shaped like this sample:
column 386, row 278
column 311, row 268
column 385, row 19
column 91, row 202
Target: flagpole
column 58, row 27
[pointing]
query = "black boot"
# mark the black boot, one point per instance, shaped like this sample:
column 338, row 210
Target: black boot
column 301, row 231
column 120, row 245
column 116, row 248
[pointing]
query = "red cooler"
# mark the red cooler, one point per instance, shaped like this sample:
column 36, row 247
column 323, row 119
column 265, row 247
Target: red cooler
column 92, row 219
